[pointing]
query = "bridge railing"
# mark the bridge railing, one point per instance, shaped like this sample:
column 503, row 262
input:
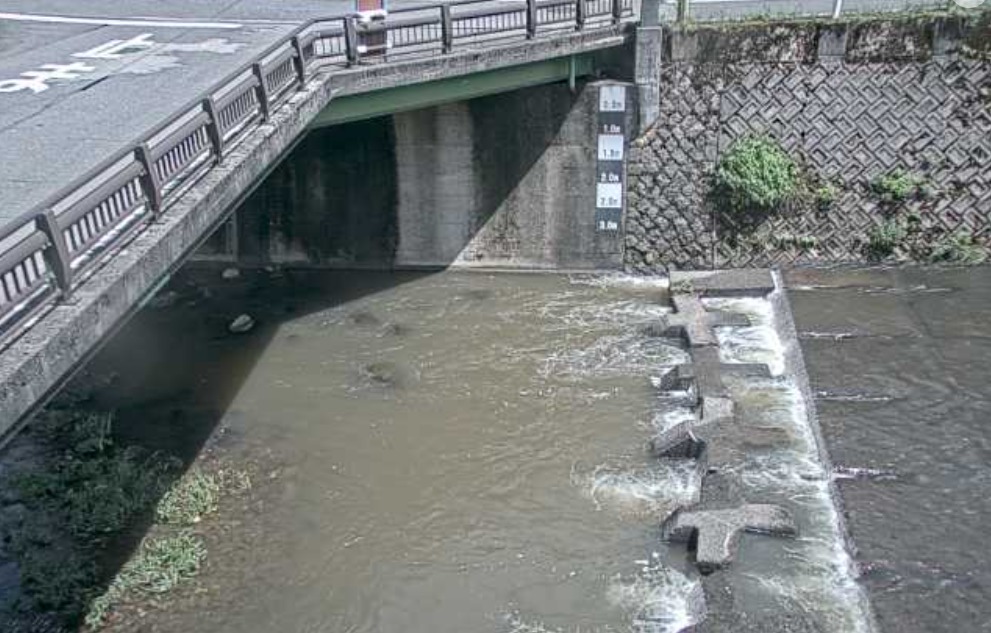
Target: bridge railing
column 47, row 253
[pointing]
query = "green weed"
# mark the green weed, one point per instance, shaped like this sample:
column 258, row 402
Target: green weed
column 756, row 173
column 898, row 185
column 189, row 499
column 161, row 564
column 958, row 248
column 884, row 239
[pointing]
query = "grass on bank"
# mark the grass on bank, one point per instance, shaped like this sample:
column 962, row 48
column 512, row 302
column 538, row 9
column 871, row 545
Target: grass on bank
column 160, row 565
column 83, row 494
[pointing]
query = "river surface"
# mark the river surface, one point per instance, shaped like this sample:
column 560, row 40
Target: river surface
column 461, row 451
column 454, row 452
column 900, row 361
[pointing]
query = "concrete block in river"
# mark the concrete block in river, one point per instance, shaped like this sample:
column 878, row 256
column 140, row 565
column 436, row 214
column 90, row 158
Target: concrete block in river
column 717, row 532
column 690, row 439
column 726, row 283
column 690, row 321
column 677, row 378
column 707, row 369
column 678, row 442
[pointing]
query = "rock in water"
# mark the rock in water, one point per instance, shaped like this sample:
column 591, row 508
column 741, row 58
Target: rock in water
column 242, row 324
column 385, row 373
column 230, row 273
column 364, row 318
column 164, row 300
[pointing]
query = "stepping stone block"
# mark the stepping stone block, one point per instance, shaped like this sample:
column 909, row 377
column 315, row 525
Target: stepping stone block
column 688, row 440
column 725, row 283
column 717, row 532
column 705, row 373
column 694, row 324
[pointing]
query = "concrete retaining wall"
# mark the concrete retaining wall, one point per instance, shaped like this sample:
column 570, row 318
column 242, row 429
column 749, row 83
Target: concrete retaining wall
column 850, row 102
column 506, row 180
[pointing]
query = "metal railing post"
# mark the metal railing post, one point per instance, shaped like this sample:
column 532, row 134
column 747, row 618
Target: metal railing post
column 57, row 255
column 149, row 179
column 262, row 90
column 213, row 127
column 580, row 13
column 446, row 28
column 351, row 40
column 617, row 11
column 299, row 61
column 531, row 19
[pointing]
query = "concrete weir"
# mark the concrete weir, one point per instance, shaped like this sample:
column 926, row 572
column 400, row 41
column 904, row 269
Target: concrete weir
column 760, row 477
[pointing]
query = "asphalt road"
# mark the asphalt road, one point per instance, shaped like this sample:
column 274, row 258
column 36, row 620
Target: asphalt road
column 80, row 79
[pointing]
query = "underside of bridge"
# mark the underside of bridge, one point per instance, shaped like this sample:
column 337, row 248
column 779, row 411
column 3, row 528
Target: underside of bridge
column 433, row 93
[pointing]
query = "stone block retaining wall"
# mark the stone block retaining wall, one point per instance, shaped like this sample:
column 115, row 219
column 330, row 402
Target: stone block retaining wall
column 849, row 102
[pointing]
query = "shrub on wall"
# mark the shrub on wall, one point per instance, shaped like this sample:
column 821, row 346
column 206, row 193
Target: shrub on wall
column 884, row 239
column 756, row 173
column 897, row 186
column 825, row 195
column 958, row 248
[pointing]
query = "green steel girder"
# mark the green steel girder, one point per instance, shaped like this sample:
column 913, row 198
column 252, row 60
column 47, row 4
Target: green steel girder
column 421, row 95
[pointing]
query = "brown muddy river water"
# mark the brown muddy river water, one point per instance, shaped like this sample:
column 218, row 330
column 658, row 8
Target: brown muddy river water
column 467, row 452
column 455, row 452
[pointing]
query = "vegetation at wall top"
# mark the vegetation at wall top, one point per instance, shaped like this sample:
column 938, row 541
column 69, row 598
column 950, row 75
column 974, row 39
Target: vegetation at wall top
column 756, row 173
column 884, row 239
column 958, row 248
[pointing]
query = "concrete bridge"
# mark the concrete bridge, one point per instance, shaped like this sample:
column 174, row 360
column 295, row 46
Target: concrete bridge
column 76, row 264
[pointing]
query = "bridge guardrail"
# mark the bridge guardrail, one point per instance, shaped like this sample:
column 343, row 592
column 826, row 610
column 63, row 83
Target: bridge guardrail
column 46, row 253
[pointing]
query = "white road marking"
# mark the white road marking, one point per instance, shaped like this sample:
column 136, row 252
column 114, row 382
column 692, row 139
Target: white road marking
column 115, row 49
column 61, row 19
column 36, row 80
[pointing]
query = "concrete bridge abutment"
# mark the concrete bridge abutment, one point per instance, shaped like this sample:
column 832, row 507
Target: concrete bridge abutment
column 506, row 180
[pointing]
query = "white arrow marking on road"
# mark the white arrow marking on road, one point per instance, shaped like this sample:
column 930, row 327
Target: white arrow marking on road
column 60, row 19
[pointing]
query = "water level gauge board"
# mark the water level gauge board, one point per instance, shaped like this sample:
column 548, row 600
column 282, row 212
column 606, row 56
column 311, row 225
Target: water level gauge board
column 610, row 157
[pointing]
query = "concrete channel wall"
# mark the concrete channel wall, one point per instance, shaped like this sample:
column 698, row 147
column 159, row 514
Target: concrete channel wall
column 850, row 101
column 506, row 180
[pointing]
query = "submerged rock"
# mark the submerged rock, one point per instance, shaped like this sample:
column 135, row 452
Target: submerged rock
column 386, row 374
column 164, row 300
column 395, row 329
column 477, row 294
column 230, row 273
column 363, row 317
column 381, row 372
column 241, row 324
